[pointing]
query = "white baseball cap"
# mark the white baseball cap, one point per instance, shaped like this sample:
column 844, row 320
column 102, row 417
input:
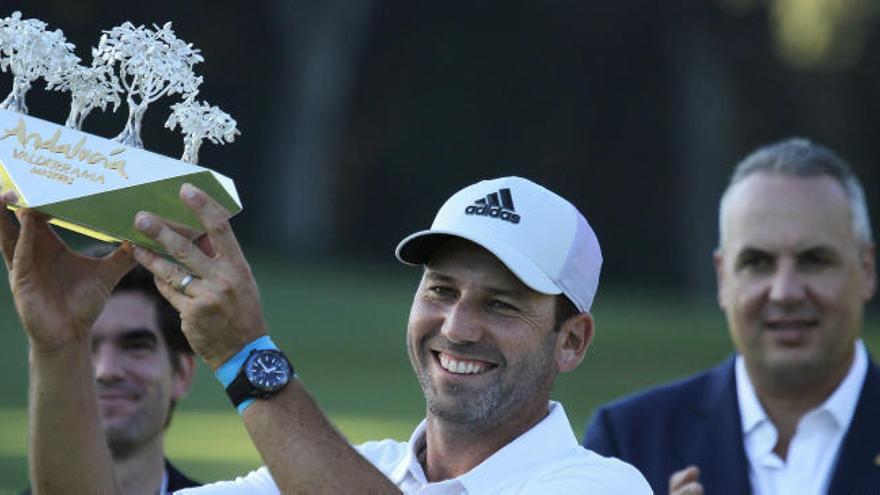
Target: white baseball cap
column 542, row 238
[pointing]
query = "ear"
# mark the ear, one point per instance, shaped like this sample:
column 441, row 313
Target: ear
column 183, row 376
column 575, row 336
column 869, row 267
column 718, row 260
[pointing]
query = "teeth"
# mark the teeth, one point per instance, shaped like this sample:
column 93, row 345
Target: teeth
column 460, row 367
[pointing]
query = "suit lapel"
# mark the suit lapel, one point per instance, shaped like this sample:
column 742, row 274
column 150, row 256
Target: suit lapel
column 857, row 469
column 176, row 479
column 718, row 446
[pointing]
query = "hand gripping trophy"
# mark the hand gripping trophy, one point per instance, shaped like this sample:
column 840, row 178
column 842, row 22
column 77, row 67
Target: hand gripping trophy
column 91, row 184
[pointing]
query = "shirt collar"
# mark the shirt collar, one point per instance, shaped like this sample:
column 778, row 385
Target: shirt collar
column 841, row 404
column 843, row 401
column 163, row 488
column 410, row 463
column 750, row 410
column 550, row 439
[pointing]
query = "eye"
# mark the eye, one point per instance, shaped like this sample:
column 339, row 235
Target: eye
column 815, row 259
column 755, row 261
column 502, row 305
column 441, row 291
column 140, row 345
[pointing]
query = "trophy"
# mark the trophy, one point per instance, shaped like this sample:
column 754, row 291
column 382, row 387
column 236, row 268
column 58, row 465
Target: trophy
column 87, row 183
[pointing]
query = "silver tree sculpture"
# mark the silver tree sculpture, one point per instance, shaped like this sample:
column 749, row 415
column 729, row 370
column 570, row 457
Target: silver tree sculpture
column 199, row 121
column 90, row 87
column 30, row 52
column 152, row 63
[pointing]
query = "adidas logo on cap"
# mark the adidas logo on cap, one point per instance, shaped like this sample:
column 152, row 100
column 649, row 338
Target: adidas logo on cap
column 554, row 252
column 496, row 205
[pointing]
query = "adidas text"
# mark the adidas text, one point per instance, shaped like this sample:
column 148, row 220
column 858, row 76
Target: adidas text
column 492, row 211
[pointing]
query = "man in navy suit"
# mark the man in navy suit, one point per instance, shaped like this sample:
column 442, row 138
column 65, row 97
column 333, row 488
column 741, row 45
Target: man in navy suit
column 797, row 409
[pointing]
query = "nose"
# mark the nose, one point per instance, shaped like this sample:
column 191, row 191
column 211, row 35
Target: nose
column 787, row 286
column 462, row 323
column 107, row 363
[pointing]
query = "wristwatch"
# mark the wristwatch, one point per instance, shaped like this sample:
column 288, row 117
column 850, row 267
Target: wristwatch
column 264, row 373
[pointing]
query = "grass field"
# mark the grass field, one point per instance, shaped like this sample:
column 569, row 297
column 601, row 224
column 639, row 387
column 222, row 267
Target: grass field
column 343, row 326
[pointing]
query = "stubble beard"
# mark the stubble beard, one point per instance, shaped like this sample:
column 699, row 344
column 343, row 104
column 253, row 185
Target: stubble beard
column 502, row 398
column 133, row 434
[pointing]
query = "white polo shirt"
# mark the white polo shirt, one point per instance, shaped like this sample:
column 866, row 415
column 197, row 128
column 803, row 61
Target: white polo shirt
column 812, row 452
column 545, row 459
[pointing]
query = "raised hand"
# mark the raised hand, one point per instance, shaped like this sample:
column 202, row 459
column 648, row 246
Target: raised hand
column 220, row 307
column 58, row 293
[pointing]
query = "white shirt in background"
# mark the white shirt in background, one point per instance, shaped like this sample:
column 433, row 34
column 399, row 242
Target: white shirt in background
column 812, row 452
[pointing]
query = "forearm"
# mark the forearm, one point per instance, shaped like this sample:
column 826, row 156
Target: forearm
column 68, row 452
column 221, row 314
column 304, row 452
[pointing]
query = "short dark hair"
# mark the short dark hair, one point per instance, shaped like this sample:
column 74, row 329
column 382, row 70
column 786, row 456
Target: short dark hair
column 565, row 309
column 140, row 280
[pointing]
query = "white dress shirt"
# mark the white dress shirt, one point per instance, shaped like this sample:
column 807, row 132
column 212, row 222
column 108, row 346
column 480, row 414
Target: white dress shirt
column 545, row 459
column 812, row 452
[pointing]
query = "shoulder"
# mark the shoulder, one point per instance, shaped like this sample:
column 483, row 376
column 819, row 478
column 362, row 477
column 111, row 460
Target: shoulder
column 258, row 482
column 384, row 454
column 584, row 471
column 176, row 479
column 645, row 424
column 691, row 390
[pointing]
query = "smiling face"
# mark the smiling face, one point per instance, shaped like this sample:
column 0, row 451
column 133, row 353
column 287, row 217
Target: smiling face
column 482, row 344
column 134, row 376
column 793, row 278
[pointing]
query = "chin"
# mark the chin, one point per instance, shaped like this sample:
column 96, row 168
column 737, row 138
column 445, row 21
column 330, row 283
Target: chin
column 115, row 422
column 461, row 409
column 797, row 366
column 457, row 415
column 793, row 357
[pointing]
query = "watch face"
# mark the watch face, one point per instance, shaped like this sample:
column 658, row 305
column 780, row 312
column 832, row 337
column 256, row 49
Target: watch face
column 268, row 370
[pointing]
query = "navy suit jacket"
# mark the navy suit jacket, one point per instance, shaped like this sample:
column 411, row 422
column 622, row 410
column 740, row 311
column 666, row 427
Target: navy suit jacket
column 697, row 421
column 176, row 480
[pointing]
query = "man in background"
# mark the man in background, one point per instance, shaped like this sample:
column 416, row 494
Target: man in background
column 795, row 411
column 142, row 366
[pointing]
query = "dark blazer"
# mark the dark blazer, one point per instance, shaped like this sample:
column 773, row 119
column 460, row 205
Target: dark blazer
column 697, row 421
column 176, row 480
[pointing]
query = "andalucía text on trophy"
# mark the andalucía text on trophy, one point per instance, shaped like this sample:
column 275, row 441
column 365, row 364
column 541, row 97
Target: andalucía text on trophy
column 95, row 186
column 90, row 184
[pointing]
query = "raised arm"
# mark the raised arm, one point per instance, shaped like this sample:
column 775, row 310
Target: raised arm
column 221, row 313
column 58, row 295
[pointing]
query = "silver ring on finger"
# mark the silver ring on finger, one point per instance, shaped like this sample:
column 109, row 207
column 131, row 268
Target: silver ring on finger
column 185, row 282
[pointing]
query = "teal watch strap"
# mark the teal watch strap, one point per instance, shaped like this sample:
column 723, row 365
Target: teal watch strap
column 228, row 370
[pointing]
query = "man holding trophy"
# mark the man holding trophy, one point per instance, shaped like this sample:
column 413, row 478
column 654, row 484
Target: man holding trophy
column 510, row 273
column 485, row 344
column 120, row 334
